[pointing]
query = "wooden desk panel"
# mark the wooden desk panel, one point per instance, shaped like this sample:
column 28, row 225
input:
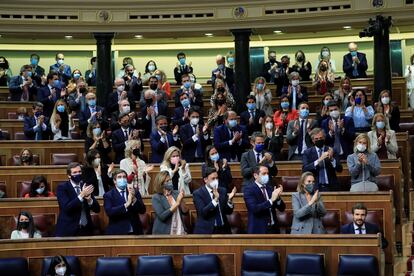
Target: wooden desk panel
column 229, row 249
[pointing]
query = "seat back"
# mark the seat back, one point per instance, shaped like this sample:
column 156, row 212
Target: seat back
column 155, row 266
column 373, row 217
column 19, row 136
column 205, row 264
column 331, row 222
column 407, row 127
column 305, row 264
column 113, row 266
column 16, row 160
column 3, row 188
column 25, row 188
column 64, row 158
column 264, row 263
column 11, row 115
column 236, row 223
column 5, row 134
column 358, row 265
column 284, row 220
column 73, row 263
column 385, row 182
column 44, row 223
column 14, row 267
column 146, row 223
column 290, row 183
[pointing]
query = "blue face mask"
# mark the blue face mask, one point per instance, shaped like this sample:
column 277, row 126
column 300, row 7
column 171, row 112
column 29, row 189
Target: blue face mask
column 221, row 66
column 40, row 190
column 310, row 188
column 304, row 113
column 38, row 113
column 182, row 61
column 215, row 157
column 92, row 102
column 76, row 76
column 259, row 147
column 230, row 60
column 185, row 103
column 264, row 179
column 354, row 53
column 60, row 108
column 232, row 123
column 34, row 61
column 380, row 124
column 251, row 106
column 97, row 131
column 284, row 105
column 121, row 183
column 56, row 84
column 259, row 86
column 187, row 85
column 358, row 100
column 158, row 77
column 29, row 73
column 60, row 61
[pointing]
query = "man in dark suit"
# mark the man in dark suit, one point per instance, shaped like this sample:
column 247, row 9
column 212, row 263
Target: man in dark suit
column 360, row 226
column 340, row 131
column 63, row 70
column 38, row 71
column 182, row 68
column 92, row 112
column 76, row 200
column 50, row 93
column 194, row 95
column 36, row 126
column 270, row 67
column 22, row 87
column 123, row 204
column 181, row 113
column 161, row 139
column 118, row 95
column 254, row 157
column 281, row 76
column 355, row 63
column 223, row 72
column 90, row 75
column 230, row 139
column 297, row 134
column 150, row 110
column 262, row 201
column 252, row 118
column 322, row 162
column 212, row 205
column 133, row 84
column 195, row 137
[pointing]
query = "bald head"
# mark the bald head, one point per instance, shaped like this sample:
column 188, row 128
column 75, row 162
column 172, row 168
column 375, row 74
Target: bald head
column 119, row 81
column 352, row 47
column 220, row 59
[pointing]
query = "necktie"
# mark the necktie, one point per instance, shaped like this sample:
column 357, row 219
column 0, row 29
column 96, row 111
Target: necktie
column 293, row 97
column 360, row 230
column 264, row 192
column 199, row 148
column 83, row 219
column 123, row 196
column 25, row 95
column 263, row 188
column 258, row 158
column 252, row 114
column 301, row 138
column 126, row 133
column 337, row 143
column 38, row 134
column 322, row 179
column 219, row 218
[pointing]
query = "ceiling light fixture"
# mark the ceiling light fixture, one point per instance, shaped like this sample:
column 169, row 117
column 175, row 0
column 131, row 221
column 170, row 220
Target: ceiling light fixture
column 68, row 36
column 138, row 36
column 277, row 31
column 209, row 34
column 347, row 27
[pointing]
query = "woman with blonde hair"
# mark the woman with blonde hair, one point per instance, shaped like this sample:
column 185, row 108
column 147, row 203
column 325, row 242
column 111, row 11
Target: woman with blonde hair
column 221, row 87
column 324, row 78
column 136, row 169
column 169, row 207
column 308, row 207
column 61, row 121
column 178, row 169
column 263, row 95
column 163, row 83
column 382, row 139
column 389, row 109
column 363, row 166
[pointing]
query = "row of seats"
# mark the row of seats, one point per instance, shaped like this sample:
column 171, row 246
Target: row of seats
column 264, row 263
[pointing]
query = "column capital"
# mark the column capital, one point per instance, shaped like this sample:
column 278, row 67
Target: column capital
column 103, row 37
column 241, row 32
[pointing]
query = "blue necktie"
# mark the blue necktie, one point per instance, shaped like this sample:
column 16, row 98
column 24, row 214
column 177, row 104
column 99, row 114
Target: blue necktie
column 300, row 138
column 322, row 179
column 218, row 220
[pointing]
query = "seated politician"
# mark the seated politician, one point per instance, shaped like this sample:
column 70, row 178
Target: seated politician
column 162, row 138
column 214, row 160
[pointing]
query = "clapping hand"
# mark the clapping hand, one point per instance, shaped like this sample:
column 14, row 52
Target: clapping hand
column 233, row 193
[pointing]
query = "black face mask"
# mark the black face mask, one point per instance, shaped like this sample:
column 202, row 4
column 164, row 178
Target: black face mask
column 24, row 224
column 3, row 65
column 323, row 68
column 82, row 90
column 300, row 58
column 25, row 158
column 136, row 152
column 285, row 65
column 272, row 60
column 164, row 128
column 220, row 101
column 221, row 90
column 319, row 143
column 148, row 102
column 153, row 86
column 124, row 64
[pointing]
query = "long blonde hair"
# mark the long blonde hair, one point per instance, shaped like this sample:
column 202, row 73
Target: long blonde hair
column 302, row 179
column 60, row 101
column 168, row 154
column 159, row 181
column 360, row 137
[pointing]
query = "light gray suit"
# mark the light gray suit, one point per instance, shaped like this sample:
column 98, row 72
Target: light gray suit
column 163, row 215
column 307, row 219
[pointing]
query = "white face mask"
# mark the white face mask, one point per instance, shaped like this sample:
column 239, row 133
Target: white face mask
column 194, row 121
column 126, row 109
column 96, row 162
column 334, row 114
column 214, row 184
column 120, row 88
column 295, row 82
column 385, row 100
column 361, row 147
column 60, row 271
column 269, row 125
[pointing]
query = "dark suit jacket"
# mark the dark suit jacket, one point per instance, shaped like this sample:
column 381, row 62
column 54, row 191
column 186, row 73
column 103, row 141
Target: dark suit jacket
column 65, row 75
column 256, row 126
column 134, row 89
column 247, row 164
column 310, row 155
column 30, row 123
column 181, row 70
column 206, row 212
column 120, row 219
column 266, row 68
column 91, row 81
column 347, row 138
column 147, row 124
column 70, row 208
column 225, row 177
column 158, row 148
column 304, row 73
column 118, row 144
column 112, row 102
column 86, row 114
column 304, row 97
column 258, row 208
column 189, row 146
column 293, row 140
column 89, row 177
column 197, row 100
column 361, row 67
column 369, row 228
column 228, row 78
column 16, row 91
column 221, row 142
column 43, row 94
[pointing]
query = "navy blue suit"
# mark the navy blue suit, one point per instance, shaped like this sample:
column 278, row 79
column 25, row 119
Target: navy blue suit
column 310, row 155
column 228, row 76
column 369, row 229
column 43, row 94
column 221, row 142
column 70, row 208
column 304, row 98
column 134, row 88
column 162, row 107
column 118, row 143
column 197, row 100
column 16, row 91
column 65, row 75
column 346, row 138
column 30, row 123
column 256, row 126
column 361, row 67
column 123, row 221
column 113, row 99
column 189, row 146
column 207, row 213
column 86, row 114
column 258, row 208
column 158, row 148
